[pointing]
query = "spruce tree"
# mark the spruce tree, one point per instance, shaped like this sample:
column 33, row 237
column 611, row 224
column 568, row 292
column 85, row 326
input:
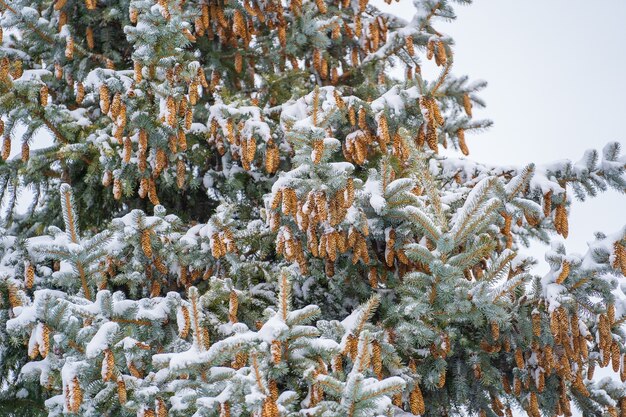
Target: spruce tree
column 244, row 213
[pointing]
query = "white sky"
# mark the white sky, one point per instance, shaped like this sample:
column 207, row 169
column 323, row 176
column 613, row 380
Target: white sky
column 556, row 74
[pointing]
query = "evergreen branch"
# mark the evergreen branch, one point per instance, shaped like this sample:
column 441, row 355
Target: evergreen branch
column 40, row 113
column 284, row 295
column 432, row 191
column 303, row 315
column 520, row 181
column 478, row 220
column 442, row 77
column 83, row 280
column 384, row 387
column 511, row 285
column 332, row 385
column 498, row 266
column 32, row 27
column 257, row 373
column 366, row 312
column 132, row 321
column 423, row 221
column 99, row 57
column 69, row 213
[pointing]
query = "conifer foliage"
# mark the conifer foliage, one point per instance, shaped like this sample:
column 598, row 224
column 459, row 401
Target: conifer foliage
column 243, row 213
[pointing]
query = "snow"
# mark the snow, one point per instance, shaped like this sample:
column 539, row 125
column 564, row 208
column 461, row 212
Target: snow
column 127, row 343
column 69, row 371
column 350, row 322
column 79, row 116
column 194, row 356
column 374, row 189
column 324, row 345
column 35, row 369
column 29, row 13
column 154, row 310
column 34, row 74
column 99, row 76
column 101, row 339
column 401, row 184
column 28, row 315
column 395, row 99
column 273, row 329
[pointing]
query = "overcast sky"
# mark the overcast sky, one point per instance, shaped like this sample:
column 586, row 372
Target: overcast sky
column 556, row 71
